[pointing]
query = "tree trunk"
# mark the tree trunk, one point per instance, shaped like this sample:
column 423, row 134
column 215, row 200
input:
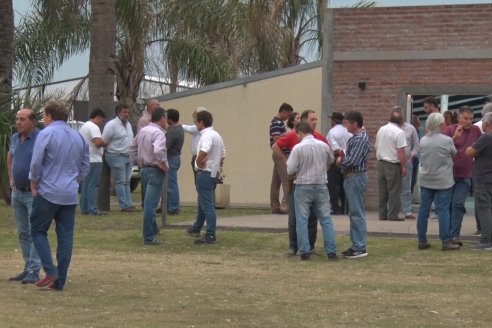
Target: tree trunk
column 101, row 73
column 6, row 52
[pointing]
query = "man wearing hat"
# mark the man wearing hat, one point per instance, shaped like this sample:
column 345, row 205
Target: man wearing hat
column 338, row 137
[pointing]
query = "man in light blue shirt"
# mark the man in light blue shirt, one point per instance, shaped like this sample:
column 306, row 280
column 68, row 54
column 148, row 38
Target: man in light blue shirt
column 118, row 135
column 60, row 161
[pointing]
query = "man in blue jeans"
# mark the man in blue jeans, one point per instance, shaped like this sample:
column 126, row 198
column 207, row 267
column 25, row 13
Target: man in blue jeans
column 174, row 143
column 353, row 165
column 310, row 160
column 149, row 151
column 118, row 134
column 18, row 161
column 209, row 160
column 60, row 161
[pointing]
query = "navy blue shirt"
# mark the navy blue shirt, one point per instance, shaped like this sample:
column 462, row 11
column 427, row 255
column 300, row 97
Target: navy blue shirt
column 22, row 154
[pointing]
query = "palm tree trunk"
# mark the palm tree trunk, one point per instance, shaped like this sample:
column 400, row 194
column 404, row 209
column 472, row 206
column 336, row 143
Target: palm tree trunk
column 101, row 73
column 6, row 52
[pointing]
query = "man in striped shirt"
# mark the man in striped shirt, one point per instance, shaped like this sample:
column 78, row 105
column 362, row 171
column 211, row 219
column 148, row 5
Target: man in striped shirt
column 354, row 168
column 310, row 160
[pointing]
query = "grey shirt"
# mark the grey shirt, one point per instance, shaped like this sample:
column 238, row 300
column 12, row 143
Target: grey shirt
column 482, row 166
column 436, row 154
column 174, row 140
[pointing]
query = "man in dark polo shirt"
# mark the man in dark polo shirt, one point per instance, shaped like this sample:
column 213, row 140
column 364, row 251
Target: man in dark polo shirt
column 282, row 148
column 174, row 143
column 18, row 162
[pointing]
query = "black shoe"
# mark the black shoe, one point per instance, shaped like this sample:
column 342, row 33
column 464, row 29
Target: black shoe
column 396, row 219
column 159, row 210
column 348, row 251
column 153, row 242
column 193, row 233
column 206, row 239
column 355, row 254
column 305, row 257
column 456, row 242
column 19, row 277
column 424, row 245
column 32, row 277
column 332, row 256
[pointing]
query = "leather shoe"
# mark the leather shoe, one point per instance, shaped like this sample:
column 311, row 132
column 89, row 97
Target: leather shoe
column 19, row 277
column 305, row 257
column 31, row 277
column 456, row 242
column 46, row 280
column 396, row 219
column 424, row 245
column 54, row 286
column 153, row 242
column 130, row 209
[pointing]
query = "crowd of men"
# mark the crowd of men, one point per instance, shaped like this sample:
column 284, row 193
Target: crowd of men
column 46, row 168
column 316, row 174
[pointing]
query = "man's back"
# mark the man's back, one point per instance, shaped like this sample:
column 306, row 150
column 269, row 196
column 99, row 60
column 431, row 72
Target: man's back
column 309, row 158
column 388, row 139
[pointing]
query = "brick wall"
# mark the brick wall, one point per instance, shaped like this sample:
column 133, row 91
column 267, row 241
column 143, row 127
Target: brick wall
column 442, row 28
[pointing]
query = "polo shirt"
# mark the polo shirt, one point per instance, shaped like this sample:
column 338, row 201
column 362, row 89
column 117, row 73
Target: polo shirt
column 462, row 164
column 277, row 128
column 389, row 138
column 289, row 140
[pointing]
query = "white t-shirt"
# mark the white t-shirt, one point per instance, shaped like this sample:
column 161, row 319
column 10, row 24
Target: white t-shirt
column 389, row 138
column 212, row 144
column 89, row 131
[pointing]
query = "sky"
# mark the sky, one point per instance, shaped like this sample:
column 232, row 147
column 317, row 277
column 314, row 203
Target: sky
column 79, row 65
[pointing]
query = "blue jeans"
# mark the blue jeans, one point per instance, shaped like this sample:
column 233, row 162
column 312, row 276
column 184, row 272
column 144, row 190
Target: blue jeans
column 461, row 189
column 152, row 180
column 355, row 186
column 442, row 199
column 313, row 196
column 43, row 213
column 406, row 190
column 22, row 206
column 121, row 170
column 90, row 189
column 205, row 187
column 172, row 184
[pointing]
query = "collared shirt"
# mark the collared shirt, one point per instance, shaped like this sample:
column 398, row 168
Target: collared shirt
column 479, row 124
column 389, row 138
column 289, row 140
column 149, row 146
column 436, row 153
column 358, row 148
column 212, row 144
column 310, row 159
column 21, row 157
column 277, row 128
column 191, row 129
column 119, row 136
column 144, row 120
column 174, row 140
column 89, row 130
column 412, row 138
column 338, row 137
column 60, row 160
column 462, row 164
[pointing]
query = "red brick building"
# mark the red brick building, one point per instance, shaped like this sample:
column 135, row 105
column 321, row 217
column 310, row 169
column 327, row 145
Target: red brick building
column 374, row 58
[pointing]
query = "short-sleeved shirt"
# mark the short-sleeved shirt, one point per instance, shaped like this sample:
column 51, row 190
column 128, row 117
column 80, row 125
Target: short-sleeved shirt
column 211, row 143
column 22, row 154
column 90, row 131
column 289, row 140
column 463, row 164
column 277, row 128
column 118, row 135
column 389, row 138
column 174, row 140
column 482, row 166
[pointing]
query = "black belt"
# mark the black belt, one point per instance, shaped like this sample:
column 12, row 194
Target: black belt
column 24, row 188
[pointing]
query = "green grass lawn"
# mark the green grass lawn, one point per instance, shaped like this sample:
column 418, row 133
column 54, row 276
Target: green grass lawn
column 243, row 281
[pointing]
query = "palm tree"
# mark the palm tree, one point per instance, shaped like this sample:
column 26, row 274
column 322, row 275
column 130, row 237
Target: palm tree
column 6, row 52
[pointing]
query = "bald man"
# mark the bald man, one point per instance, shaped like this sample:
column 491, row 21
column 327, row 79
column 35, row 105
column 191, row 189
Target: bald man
column 143, row 121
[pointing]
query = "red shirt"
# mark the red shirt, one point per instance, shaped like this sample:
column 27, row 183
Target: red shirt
column 462, row 164
column 289, row 140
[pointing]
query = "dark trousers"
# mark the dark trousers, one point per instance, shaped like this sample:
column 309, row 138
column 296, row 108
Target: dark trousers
column 312, row 224
column 193, row 158
column 483, row 205
column 335, row 188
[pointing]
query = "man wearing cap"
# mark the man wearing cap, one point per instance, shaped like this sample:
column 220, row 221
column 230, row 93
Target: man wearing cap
column 338, row 137
column 390, row 153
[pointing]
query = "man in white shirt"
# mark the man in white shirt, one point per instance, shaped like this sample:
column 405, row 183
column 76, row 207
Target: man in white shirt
column 337, row 137
column 487, row 108
column 209, row 160
column 309, row 160
column 193, row 131
column 390, row 152
column 89, row 192
column 118, row 134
